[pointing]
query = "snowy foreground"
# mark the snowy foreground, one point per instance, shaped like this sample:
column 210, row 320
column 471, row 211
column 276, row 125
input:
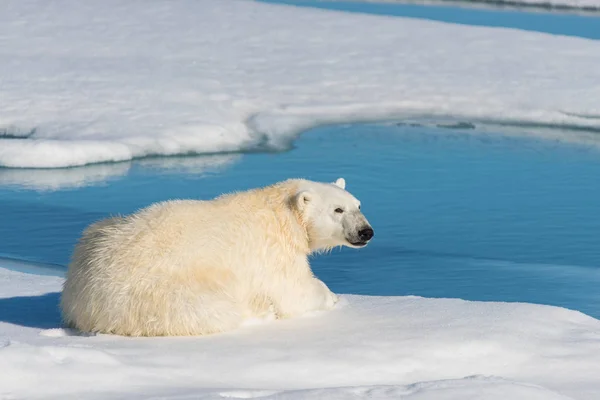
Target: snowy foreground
column 368, row 348
column 92, row 81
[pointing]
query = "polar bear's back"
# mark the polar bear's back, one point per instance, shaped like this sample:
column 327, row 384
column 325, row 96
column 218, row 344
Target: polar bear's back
column 133, row 276
column 153, row 272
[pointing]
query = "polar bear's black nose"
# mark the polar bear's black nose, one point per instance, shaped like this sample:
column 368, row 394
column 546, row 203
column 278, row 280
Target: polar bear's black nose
column 365, row 234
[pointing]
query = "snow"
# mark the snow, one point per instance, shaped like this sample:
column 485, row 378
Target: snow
column 88, row 82
column 368, row 347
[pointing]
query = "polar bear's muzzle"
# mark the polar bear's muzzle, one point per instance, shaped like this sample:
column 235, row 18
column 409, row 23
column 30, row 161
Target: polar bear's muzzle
column 363, row 236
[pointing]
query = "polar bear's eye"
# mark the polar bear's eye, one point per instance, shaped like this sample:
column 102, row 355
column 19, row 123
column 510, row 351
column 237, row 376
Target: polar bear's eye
column 359, row 206
column 339, row 210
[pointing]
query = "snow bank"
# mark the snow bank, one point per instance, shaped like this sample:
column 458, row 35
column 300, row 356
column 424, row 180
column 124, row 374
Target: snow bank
column 86, row 81
column 368, row 347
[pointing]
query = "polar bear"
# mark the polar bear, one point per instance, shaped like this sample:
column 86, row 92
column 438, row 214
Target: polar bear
column 193, row 267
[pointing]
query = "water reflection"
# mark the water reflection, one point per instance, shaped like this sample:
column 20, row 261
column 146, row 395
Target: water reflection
column 199, row 165
column 64, row 178
column 78, row 177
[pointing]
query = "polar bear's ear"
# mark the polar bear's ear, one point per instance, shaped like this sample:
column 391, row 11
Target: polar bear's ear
column 302, row 198
column 341, row 183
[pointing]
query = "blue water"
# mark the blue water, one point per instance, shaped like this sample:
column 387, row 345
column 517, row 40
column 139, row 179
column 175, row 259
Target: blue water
column 475, row 216
column 586, row 26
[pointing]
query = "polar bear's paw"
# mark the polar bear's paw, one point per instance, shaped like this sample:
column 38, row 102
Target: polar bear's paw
column 332, row 300
column 328, row 298
column 268, row 316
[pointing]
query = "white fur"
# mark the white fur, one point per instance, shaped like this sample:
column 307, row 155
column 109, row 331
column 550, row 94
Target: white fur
column 189, row 267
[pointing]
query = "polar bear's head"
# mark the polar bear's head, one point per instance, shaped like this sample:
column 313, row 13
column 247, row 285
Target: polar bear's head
column 332, row 215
